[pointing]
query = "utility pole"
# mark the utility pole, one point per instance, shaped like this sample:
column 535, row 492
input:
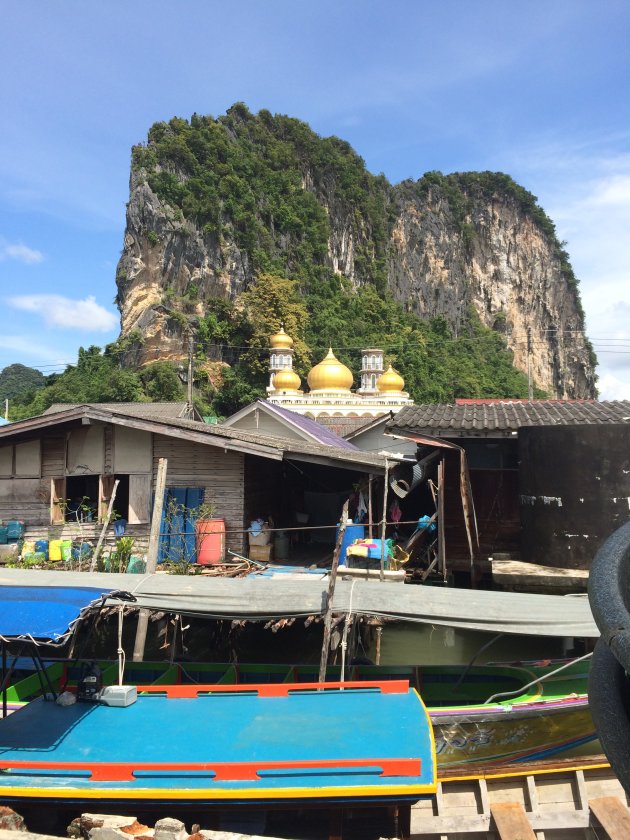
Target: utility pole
column 190, row 372
column 530, row 384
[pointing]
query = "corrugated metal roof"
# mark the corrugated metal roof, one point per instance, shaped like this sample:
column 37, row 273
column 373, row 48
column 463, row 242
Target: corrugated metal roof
column 504, row 416
column 244, row 441
column 165, row 410
column 320, row 433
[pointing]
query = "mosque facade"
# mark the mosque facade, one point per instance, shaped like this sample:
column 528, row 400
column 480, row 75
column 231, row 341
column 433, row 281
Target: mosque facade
column 330, row 384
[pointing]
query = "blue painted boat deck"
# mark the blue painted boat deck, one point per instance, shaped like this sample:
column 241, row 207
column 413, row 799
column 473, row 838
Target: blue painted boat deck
column 229, row 728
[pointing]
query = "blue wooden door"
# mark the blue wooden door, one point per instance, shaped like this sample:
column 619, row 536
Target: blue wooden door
column 177, row 530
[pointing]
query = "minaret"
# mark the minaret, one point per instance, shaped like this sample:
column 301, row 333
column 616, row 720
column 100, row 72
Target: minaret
column 371, row 369
column 281, row 359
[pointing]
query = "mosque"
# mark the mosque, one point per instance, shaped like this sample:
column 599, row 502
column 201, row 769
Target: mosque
column 330, row 383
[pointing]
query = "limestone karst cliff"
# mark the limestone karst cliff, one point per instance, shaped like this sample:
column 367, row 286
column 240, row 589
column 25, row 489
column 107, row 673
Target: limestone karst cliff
column 214, row 202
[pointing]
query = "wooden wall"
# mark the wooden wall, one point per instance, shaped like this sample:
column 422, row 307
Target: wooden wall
column 221, row 473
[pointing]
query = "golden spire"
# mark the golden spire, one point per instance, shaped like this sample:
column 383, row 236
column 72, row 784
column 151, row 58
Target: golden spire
column 286, row 380
column 330, row 375
column 390, row 381
column 281, row 341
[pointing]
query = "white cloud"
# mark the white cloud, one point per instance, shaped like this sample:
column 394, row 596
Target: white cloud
column 21, row 253
column 585, row 188
column 59, row 311
column 613, row 388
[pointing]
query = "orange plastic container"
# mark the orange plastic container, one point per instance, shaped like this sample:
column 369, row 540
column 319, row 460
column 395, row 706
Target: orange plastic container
column 210, row 541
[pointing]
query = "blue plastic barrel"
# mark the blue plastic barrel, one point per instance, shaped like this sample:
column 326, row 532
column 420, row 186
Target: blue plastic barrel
column 15, row 530
column 81, row 551
column 4, row 534
column 352, row 533
column 41, row 547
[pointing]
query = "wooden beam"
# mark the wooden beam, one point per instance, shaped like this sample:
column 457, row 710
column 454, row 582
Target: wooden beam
column 152, row 555
column 511, row 821
column 613, row 816
column 108, row 516
column 384, row 521
column 323, row 662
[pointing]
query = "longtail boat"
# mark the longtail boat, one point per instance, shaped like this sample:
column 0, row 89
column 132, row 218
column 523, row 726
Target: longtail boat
column 482, row 714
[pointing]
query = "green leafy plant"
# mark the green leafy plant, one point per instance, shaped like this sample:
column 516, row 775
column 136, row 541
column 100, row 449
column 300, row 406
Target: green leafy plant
column 121, row 555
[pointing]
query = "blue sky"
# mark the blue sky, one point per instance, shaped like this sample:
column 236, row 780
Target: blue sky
column 535, row 89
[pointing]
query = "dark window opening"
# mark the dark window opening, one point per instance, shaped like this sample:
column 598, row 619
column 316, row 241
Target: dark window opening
column 81, row 498
column 121, row 502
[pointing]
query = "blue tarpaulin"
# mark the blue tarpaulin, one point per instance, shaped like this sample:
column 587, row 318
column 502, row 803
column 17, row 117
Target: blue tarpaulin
column 43, row 614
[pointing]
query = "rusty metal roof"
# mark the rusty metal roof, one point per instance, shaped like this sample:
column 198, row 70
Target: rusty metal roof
column 501, row 417
column 158, row 410
column 253, row 443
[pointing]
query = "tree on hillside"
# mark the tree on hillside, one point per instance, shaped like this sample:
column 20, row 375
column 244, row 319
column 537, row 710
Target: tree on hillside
column 269, row 303
column 18, row 380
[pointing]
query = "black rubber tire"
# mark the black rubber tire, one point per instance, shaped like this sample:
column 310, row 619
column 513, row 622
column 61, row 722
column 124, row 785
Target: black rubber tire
column 609, row 702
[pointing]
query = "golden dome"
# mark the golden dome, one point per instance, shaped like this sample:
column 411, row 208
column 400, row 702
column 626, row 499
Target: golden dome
column 330, row 375
column 390, row 381
column 286, row 380
column 281, row 341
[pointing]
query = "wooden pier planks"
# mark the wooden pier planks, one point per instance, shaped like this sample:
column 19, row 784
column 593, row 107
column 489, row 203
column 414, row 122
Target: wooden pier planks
column 613, row 816
column 511, row 821
column 560, row 800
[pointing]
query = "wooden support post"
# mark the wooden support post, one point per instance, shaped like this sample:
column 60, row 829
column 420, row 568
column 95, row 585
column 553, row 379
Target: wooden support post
column 152, row 555
column 336, row 824
column 384, row 521
column 108, row 516
column 323, row 662
column 441, row 522
column 404, row 821
column 2, row 679
column 370, row 513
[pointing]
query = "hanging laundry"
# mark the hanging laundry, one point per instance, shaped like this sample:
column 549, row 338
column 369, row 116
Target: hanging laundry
column 362, row 508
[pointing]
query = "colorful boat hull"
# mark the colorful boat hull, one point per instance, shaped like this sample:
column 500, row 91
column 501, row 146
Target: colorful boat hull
column 551, row 718
column 254, row 744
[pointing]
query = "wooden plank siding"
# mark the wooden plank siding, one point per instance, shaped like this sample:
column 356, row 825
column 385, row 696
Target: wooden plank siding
column 221, row 473
column 29, row 499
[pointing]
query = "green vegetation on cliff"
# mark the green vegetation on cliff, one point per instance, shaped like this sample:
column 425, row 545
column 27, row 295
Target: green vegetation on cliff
column 259, row 178
column 437, row 365
column 278, row 190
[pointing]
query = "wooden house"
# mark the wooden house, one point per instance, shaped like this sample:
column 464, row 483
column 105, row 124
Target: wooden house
column 72, row 454
column 549, row 479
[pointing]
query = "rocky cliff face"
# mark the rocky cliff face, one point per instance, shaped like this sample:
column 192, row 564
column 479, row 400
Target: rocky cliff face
column 441, row 245
column 507, row 269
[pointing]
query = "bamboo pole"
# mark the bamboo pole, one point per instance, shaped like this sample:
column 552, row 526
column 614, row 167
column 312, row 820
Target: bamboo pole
column 152, row 555
column 370, row 513
column 108, row 516
column 441, row 522
column 323, row 663
column 384, row 521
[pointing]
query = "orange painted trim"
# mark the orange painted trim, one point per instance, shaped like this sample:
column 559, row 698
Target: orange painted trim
column 272, row 689
column 113, row 771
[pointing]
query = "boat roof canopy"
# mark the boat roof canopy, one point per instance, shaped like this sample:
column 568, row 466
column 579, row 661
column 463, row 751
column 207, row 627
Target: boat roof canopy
column 265, row 598
column 44, row 614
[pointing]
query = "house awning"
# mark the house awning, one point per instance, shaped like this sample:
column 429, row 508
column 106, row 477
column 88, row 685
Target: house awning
column 265, row 598
column 44, row 614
